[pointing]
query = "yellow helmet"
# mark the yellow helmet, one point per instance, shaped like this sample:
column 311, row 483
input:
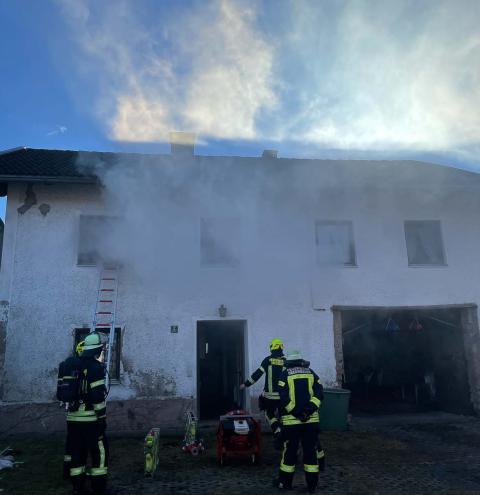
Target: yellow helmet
column 276, row 344
column 79, row 348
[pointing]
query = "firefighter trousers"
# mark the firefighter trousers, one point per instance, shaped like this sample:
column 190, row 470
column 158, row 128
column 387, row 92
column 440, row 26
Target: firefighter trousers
column 88, row 439
column 320, row 453
column 271, row 407
column 294, row 435
column 67, row 458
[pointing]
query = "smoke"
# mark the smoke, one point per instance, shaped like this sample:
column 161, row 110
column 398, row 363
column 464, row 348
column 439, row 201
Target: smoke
column 377, row 75
column 235, row 229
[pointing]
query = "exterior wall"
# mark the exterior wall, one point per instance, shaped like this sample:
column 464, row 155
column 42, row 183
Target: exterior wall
column 285, row 295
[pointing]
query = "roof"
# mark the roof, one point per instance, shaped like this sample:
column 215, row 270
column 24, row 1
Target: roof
column 24, row 164
column 43, row 165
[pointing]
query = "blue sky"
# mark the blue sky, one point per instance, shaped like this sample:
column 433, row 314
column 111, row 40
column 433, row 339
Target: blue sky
column 379, row 79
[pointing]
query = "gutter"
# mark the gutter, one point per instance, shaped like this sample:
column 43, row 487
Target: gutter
column 52, row 179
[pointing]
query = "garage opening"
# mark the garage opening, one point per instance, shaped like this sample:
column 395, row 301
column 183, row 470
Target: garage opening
column 402, row 360
column 220, row 358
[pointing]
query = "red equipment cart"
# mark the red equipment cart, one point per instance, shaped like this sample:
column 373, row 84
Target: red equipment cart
column 238, row 435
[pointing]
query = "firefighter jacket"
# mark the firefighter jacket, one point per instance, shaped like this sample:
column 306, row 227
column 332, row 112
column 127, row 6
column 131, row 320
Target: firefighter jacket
column 272, row 367
column 301, row 394
column 91, row 406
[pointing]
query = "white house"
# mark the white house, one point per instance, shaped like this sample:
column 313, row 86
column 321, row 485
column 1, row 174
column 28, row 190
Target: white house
column 369, row 268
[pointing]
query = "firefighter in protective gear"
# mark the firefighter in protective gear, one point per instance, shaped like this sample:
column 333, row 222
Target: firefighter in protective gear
column 69, row 363
column 272, row 367
column 301, row 394
column 86, row 420
column 320, row 451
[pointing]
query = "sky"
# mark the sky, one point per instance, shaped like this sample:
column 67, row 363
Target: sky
column 310, row 78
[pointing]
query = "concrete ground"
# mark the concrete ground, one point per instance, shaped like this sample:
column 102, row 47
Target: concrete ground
column 411, row 454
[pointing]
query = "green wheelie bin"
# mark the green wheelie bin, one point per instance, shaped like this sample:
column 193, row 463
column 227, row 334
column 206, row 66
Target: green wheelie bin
column 334, row 409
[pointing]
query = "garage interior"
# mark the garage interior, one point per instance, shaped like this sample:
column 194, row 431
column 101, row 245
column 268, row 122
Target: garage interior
column 405, row 360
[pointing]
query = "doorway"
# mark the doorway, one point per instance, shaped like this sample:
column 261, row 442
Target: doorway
column 220, row 365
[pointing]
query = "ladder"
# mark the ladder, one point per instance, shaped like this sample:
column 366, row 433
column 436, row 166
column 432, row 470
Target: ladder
column 105, row 310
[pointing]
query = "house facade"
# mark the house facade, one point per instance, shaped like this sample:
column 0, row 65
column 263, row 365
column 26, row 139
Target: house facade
column 215, row 257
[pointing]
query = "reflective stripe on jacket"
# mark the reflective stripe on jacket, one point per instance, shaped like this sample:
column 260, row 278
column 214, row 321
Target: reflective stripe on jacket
column 300, row 390
column 93, row 393
column 272, row 367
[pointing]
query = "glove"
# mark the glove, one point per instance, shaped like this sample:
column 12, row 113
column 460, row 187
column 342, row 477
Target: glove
column 310, row 408
column 278, row 440
column 306, row 412
column 262, row 403
column 303, row 416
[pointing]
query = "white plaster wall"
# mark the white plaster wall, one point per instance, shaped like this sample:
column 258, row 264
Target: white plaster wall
column 49, row 294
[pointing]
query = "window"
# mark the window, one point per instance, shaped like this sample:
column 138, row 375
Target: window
column 95, row 234
column 114, row 371
column 334, row 242
column 219, row 242
column 424, row 242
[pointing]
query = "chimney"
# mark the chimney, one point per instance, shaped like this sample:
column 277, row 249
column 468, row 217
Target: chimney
column 269, row 154
column 182, row 143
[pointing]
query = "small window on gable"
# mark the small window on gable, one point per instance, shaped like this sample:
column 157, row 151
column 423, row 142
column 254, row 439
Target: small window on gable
column 95, row 234
column 424, row 243
column 81, row 333
column 220, row 242
column 334, row 243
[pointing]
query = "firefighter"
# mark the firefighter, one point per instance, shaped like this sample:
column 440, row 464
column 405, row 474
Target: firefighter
column 86, row 419
column 69, row 363
column 301, row 394
column 320, row 451
column 269, row 400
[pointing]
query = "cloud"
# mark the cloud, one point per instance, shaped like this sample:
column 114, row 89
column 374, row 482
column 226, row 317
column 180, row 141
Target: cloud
column 378, row 74
column 59, row 129
column 213, row 78
column 387, row 75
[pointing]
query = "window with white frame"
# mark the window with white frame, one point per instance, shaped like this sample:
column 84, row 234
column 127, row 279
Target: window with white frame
column 424, row 243
column 220, row 241
column 95, row 236
column 114, row 371
column 335, row 245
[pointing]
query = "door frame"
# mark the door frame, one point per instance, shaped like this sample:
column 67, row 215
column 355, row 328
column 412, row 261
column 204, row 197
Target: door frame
column 196, row 321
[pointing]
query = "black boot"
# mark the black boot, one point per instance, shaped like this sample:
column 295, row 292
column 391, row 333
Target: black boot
column 281, row 486
column 78, row 484
column 99, row 485
column 66, row 470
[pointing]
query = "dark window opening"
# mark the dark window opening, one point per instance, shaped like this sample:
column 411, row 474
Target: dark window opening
column 405, row 360
column 335, row 243
column 114, row 371
column 424, row 242
column 95, row 242
column 219, row 242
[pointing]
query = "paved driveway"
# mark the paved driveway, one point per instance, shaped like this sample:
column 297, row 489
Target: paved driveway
column 418, row 454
